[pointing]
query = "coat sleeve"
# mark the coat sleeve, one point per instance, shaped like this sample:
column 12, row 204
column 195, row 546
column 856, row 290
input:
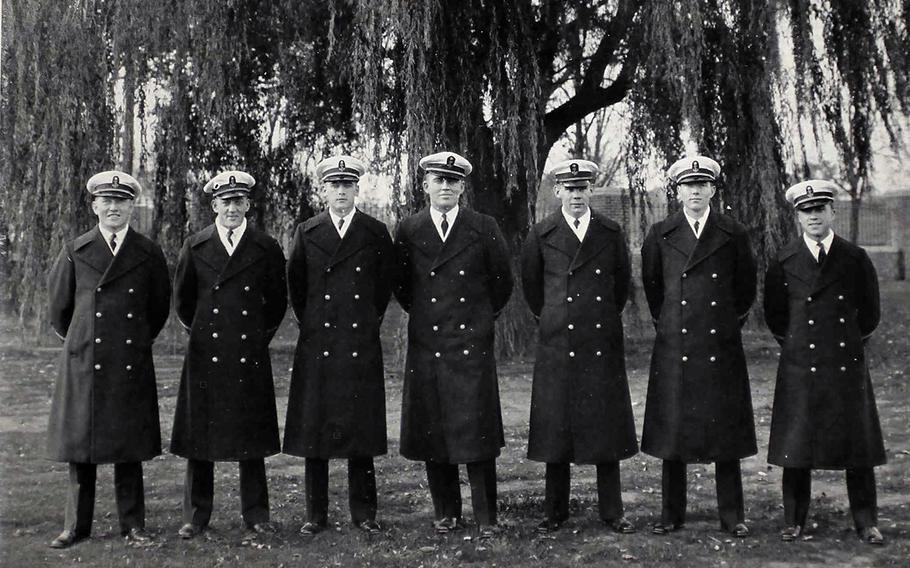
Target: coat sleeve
column 499, row 267
column 623, row 278
column 61, row 288
column 402, row 272
column 297, row 275
column 745, row 283
column 652, row 273
column 185, row 287
column 532, row 272
column 159, row 301
column 276, row 290
column 867, row 302
column 386, row 276
column 776, row 302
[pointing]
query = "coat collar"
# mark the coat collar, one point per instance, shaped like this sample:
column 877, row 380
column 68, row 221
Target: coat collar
column 799, row 262
column 91, row 249
column 211, row 251
column 322, row 233
column 464, row 231
column 678, row 234
column 556, row 233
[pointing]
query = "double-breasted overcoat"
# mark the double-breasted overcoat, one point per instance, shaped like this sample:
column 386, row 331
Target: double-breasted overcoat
column 109, row 310
column 824, row 413
column 339, row 290
column 580, row 406
column 699, row 290
column 232, row 306
column 453, row 291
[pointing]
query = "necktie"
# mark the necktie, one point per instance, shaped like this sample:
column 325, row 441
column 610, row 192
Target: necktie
column 577, row 223
column 340, row 224
column 114, row 242
column 696, row 228
column 230, row 237
column 821, row 254
column 445, row 225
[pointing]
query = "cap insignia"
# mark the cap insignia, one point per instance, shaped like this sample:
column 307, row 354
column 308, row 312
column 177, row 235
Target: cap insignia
column 809, row 190
column 116, row 181
column 450, row 161
column 573, row 168
column 695, row 165
column 341, row 165
column 233, row 181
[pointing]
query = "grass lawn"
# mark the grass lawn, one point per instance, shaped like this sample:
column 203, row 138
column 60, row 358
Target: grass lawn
column 32, row 488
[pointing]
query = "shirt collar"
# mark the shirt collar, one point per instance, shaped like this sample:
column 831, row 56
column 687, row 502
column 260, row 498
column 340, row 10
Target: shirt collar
column 583, row 220
column 347, row 218
column 107, row 234
column 437, row 215
column 238, row 232
column 813, row 244
column 701, row 220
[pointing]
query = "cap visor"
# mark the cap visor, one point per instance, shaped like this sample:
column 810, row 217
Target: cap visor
column 694, row 178
column 114, row 193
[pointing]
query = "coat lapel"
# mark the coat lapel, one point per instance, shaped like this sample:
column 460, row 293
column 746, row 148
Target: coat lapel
column 833, row 268
column 712, row 238
column 247, row 252
column 560, row 237
column 679, row 236
column 211, row 249
column 323, row 235
column 595, row 240
column 797, row 261
column 91, row 249
column 129, row 256
column 463, row 234
column 356, row 237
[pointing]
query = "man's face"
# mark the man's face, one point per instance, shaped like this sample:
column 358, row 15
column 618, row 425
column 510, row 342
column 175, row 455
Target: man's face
column 575, row 200
column 444, row 191
column 339, row 195
column 695, row 197
column 113, row 212
column 230, row 211
column 816, row 221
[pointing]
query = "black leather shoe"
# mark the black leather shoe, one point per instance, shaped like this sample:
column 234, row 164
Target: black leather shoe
column 740, row 530
column 547, row 526
column 871, row 535
column 441, row 526
column 621, row 525
column 262, row 528
column 190, row 530
column 311, row 528
column 67, row 539
column 137, row 535
column 369, row 527
column 790, row 534
column 665, row 528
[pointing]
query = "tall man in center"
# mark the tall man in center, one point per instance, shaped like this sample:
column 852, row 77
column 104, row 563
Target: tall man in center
column 698, row 273
column 453, row 279
column 575, row 275
column 340, row 281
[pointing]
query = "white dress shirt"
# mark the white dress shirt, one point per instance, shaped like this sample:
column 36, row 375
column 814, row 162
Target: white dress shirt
column 106, row 235
column 701, row 222
column 347, row 221
column 238, row 233
column 436, row 216
column 813, row 244
column 583, row 223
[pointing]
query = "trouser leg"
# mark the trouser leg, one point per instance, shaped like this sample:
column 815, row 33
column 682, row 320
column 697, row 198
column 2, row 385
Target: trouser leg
column 80, row 498
column 130, row 492
column 198, row 492
column 362, row 489
column 797, row 488
column 254, row 492
column 445, row 489
column 609, row 491
column 482, row 476
column 673, row 492
column 729, row 485
column 556, row 502
column 863, row 498
column 316, row 481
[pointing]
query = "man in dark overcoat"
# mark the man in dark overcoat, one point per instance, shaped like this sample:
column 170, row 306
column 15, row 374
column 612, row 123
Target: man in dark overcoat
column 109, row 294
column 231, row 295
column 698, row 273
column 822, row 305
column 454, row 278
column 340, row 281
column 575, row 275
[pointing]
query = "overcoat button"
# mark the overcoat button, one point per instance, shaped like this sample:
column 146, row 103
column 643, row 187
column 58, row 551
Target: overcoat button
column 329, row 269
column 571, row 326
column 683, row 302
column 328, row 297
column 325, row 353
column 214, row 310
column 840, row 297
column 811, row 346
column 246, row 288
column 97, row 366
column 596, row 271
column 432, row 300
column 842, row 320
column 685, row 275
column 435, row 328
column 438, row 354
column 98, row 289
column 244, row 312
column 712, row 358
column 461, row 300
column 571, row 354
column 842, row 344
column 354, row 354
column 685, row 358
column 713, row 303
column 129, row 367
column 432, row 273
column 129, row 341
column 97, row 314
column 131, row 291
column 354, row 325
column 811, row 322
column 97, row 340
column 466, row 352
column 713, row 331
column 243, row 359
column 843, row 369
column 461, row 326
column 461, row 272
column 714, row 276
column 356, row 296
column 327, row 324
column 598, row 298
column 356, row 269
column 597, row 325
column 217, row 287
column 812, row 369
column 129, row 315
column 569, row 299
column 214, row 359
column 809, row 299
column 684, row 331
column 243, row 336
column 598, row 353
